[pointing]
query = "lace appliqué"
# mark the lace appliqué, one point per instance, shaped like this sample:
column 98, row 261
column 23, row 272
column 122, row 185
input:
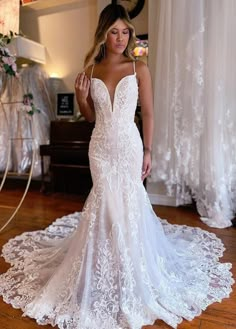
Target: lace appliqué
column 115, row 265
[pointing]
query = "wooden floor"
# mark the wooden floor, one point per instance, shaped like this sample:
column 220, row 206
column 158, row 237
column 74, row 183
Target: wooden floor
column 39, row 210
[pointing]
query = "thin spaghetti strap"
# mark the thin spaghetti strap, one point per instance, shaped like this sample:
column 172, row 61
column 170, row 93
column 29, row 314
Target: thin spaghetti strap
column 91, row 75
column 134, row 67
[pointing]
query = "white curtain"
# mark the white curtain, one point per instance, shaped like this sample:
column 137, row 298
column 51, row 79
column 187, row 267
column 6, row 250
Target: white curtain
column 9, row 16
column 16, row 123
column 192, row 56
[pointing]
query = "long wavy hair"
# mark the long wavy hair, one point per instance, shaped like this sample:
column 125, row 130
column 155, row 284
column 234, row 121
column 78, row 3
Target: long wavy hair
column 107, row 18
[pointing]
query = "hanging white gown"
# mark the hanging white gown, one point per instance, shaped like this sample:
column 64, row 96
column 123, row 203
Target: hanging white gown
column 115, row 265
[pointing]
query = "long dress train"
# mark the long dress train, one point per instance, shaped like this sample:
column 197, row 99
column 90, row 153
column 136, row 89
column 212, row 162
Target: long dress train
column 115, row 265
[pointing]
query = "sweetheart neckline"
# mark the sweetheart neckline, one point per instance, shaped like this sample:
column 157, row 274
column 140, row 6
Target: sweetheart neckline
column 107, row 90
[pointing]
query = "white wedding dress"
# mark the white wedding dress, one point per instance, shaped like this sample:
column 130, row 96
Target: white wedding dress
column 115, row 265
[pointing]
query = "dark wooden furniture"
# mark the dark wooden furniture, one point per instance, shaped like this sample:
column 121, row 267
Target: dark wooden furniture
column 68, row 152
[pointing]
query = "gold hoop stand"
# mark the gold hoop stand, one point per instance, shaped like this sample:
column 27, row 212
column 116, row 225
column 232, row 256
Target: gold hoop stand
column 6, row 172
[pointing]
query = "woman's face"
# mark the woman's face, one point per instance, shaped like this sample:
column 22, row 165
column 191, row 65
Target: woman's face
column 117, row 37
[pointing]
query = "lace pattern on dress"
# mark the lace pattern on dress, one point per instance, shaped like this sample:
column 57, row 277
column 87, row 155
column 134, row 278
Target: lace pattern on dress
column 115, row 265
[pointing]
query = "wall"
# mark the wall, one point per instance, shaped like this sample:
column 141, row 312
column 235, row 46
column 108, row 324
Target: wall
column 67, row 33
column 157, row 193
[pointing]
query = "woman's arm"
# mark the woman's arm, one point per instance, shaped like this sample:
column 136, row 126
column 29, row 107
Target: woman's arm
column 146, row 102
column 84, row 100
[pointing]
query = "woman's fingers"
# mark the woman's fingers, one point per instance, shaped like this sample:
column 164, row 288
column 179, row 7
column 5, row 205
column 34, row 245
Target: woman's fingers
column 79, row 80
column 146, row 169
column 82, row 84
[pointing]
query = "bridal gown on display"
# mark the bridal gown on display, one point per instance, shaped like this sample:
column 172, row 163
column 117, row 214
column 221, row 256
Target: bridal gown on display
column 115, row 265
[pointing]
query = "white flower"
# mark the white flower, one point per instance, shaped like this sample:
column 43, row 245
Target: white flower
column 8, row 60
column 14, row 67
column 6, row 51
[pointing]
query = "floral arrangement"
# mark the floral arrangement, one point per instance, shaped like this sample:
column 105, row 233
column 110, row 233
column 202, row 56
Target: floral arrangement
column 30, row 108
column 141, row 48
column 7, row 60
column 8, row 65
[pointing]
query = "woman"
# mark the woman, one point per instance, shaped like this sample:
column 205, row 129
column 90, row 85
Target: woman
column 115, row 265
column 114, row 41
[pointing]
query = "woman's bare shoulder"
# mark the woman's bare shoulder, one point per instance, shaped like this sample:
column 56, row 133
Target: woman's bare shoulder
column 142, row 70
column 140, row 66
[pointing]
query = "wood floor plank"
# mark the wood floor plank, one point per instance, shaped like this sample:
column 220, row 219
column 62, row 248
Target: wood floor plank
column 215, row 325
column 194, row 324
column 222, row 316
column 19, row 323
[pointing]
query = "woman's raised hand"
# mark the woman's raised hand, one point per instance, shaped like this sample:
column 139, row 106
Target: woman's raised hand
column 82, row 84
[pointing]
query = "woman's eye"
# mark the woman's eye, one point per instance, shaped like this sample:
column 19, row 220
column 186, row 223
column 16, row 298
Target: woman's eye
column 126, row 32
column 113, row 32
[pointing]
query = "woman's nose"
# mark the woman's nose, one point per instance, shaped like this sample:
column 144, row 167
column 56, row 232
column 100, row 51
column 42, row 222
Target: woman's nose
column 119, row 36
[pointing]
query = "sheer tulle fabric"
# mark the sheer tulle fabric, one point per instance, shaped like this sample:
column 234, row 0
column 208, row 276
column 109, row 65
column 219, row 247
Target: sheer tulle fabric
column 15, row 122
column 192, row 55
column 115, row 265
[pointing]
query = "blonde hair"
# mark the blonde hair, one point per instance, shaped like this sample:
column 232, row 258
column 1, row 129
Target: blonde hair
column 107, row 18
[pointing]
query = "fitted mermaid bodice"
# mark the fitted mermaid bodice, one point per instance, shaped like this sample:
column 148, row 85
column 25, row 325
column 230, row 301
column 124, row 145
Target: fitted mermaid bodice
column 122, row 108
column 115, row 139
